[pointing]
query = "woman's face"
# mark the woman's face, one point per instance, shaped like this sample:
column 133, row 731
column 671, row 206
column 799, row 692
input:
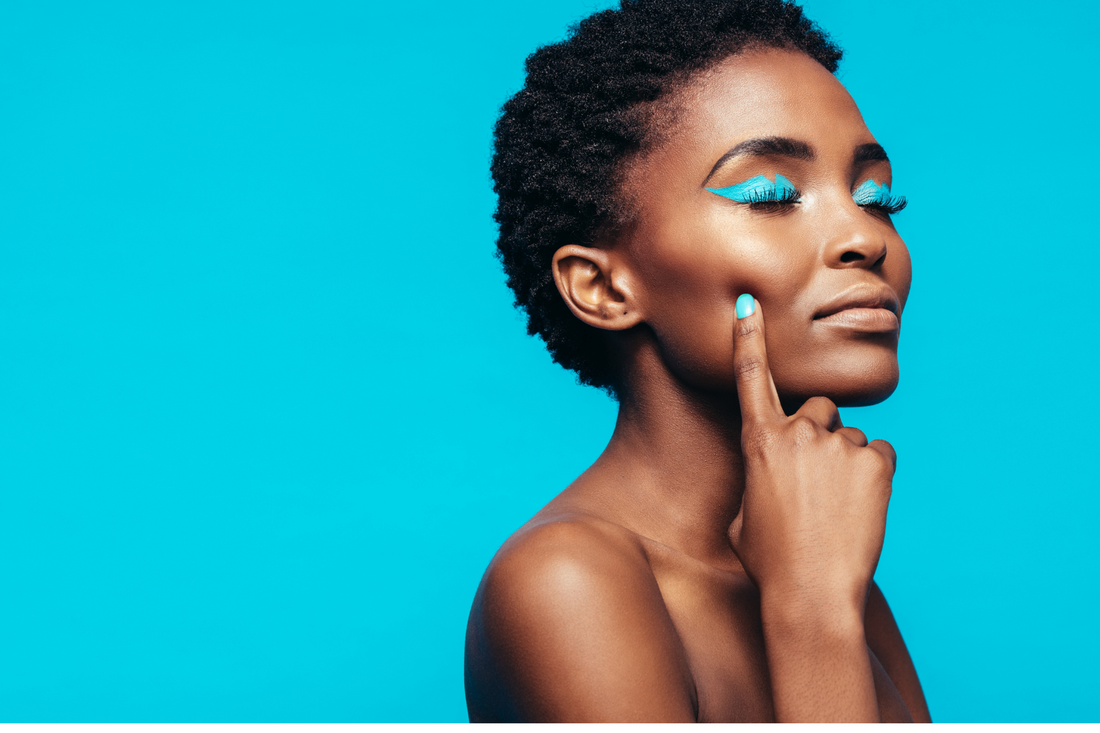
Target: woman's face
column 831, row 273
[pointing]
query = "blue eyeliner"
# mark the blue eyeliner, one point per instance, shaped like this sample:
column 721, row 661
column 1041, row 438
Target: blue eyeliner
column 759, row 189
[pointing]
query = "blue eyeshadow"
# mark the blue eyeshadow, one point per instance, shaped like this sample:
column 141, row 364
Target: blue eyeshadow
column 758, row 189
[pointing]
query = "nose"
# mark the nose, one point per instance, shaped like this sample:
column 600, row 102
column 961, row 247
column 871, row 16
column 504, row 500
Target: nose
column 856, row 241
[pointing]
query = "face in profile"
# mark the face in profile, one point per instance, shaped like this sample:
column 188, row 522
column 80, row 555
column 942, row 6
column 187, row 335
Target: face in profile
column 767, row 181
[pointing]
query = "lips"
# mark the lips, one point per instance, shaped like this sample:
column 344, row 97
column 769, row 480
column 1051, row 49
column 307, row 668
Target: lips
column 863, row 308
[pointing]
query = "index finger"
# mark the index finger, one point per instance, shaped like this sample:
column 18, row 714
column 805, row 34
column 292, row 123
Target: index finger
column 755, row 388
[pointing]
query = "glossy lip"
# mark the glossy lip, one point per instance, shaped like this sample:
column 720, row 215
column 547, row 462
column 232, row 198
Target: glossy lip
column 865, row 309
column 860, row 296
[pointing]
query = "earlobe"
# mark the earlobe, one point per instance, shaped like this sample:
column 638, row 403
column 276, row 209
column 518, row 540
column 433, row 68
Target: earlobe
column 595, row 287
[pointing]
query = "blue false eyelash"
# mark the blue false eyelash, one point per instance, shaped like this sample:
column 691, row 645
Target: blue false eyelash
column 873, row 195
column 760, row 190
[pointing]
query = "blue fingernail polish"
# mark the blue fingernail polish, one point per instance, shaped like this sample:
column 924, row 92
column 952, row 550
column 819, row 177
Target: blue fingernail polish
column 746, row 306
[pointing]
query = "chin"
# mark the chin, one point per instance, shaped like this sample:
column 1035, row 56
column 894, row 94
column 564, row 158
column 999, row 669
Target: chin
column 850, row 385
column 867, row 396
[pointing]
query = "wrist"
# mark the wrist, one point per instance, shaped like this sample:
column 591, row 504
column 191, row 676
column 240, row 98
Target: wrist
column 836, row 610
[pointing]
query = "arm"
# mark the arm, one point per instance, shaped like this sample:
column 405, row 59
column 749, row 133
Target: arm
column 884, row 639
column 817, row 662
column 809, row 534
column 569, row 626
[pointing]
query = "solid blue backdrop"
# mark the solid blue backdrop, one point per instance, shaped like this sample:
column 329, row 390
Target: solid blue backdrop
column 266, row 411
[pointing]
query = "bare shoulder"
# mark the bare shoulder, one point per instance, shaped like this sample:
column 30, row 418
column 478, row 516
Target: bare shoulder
column 569, row 625
column 885, row 640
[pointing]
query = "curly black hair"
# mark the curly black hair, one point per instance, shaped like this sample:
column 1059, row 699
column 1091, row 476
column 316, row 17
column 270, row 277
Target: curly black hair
column 588, row 106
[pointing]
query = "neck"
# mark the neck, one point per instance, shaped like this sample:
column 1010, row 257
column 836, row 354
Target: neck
column 672, row 471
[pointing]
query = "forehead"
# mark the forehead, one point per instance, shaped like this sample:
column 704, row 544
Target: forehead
column 763, row 93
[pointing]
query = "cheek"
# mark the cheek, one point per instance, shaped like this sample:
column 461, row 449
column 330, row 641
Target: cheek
column 691, row 293
column 898, row 270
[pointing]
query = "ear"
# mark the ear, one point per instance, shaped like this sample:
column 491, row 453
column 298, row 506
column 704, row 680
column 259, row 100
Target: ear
column 596, row 287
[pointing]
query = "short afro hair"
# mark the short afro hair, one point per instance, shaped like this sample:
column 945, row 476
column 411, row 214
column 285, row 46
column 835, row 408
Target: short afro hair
column 562, row 143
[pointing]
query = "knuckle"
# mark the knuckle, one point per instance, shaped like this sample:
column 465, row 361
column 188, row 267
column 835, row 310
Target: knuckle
column 757, row 441
column 821, row 402
column 749, row 367
column 747, row 327
column 803, row 430
column 824, row 411
column 879, row 465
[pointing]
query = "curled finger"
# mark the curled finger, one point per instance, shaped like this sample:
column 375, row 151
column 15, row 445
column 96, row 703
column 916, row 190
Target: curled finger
column 853, row 434
column 886, row 450
column 824, row 412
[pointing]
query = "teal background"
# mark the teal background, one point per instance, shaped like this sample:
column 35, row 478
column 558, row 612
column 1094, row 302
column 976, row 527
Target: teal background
column 266, row 411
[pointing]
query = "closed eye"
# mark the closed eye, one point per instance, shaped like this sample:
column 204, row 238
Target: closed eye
column 871, row 195
column 760, row 193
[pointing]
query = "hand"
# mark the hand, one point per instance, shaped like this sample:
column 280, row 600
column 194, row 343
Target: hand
column 813, row 514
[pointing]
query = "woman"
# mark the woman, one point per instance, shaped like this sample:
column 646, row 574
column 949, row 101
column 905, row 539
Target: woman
column 673, row 177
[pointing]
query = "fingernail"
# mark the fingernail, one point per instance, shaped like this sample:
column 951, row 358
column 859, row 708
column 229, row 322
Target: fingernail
column 746, row 306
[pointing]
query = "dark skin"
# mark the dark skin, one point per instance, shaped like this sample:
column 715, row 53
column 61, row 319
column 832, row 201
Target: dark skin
column 716, row 562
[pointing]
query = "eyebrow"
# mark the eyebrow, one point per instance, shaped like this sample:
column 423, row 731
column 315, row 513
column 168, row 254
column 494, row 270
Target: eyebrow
column 869, row 151
column 783, row 146
column 789, row 148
